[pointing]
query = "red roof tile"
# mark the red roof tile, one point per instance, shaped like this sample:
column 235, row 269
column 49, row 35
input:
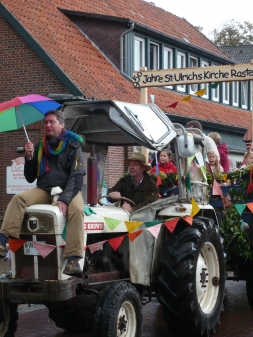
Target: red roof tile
column 89, row 69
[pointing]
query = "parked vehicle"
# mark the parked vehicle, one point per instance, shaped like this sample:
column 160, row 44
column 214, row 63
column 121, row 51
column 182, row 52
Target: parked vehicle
column 184, row 267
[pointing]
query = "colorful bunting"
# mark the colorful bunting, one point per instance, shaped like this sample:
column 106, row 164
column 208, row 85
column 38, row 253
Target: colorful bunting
column 174, row 105
column 186, row 99
column 216, row 188
column 155, row 230
column 200, row 92
column 15, row 244
column 88, row 210
column 190, row 159
column 188, row 181
column 171, row 224
column 116, row 242
column 214, row 85
column 195, row 208
column 188, row 219
column 159, row 181
column 134, row 235
column 250, row 206
column 240, row 208
column 132, row 225
column 152, row 223
column 43, row 249
column 112, row 223
column 96, row 246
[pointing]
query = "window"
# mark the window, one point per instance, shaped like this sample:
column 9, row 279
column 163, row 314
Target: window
column 225, row 92
column 244, row 94
column 193, row 64
column 139, row 53
column 235, row 93
column 181, row 64
column 204, row 85
column 168, row 61
column 216, row 93
column 154, row 56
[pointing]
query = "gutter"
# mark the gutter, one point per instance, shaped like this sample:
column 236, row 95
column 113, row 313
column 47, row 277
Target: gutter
column 122, row 51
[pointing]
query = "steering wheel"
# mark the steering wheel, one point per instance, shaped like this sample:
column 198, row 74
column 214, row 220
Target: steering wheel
column 117, row 203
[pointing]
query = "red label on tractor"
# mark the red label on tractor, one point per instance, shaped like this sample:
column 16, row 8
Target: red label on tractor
column 93, row 226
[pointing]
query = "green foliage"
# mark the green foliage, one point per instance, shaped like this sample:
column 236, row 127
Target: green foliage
column 233, row 33
column 236, row 240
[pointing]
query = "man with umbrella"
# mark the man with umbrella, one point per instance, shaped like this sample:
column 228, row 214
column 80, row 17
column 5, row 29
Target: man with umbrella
column 55, row 161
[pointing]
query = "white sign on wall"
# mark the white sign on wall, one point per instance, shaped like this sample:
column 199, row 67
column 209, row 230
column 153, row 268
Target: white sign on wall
column 15, row 179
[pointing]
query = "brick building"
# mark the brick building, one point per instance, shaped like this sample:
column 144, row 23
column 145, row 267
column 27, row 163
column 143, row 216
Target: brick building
column 90, row 49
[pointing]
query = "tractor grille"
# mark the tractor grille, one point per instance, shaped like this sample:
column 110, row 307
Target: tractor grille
column 47, row 267
column 45, row 223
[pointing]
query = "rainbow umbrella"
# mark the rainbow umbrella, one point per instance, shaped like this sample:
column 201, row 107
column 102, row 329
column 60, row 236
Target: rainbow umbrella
column 24, row 110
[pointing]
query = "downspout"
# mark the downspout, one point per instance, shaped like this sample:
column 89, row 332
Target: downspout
column 122, row 51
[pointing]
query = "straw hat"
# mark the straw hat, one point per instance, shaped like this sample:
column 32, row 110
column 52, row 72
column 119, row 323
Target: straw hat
column 140, row 157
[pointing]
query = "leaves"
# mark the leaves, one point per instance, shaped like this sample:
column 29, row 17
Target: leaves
column 233, row 33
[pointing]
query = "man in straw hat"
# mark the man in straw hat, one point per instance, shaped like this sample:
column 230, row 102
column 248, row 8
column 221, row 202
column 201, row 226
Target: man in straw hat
column 137, row 186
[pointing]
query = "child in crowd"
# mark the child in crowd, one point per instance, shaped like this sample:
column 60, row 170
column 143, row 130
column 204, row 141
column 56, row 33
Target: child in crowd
column 248, row 159
column 213, row 163
column 165, row 163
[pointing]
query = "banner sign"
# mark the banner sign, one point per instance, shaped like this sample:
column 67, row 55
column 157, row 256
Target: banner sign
column 165, row 77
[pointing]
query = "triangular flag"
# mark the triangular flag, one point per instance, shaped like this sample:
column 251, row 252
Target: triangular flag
column 152, row 223
column 88, row 210
column 15, row 244
column 155, row 230
column 214, row 85
column 159, row 181
column 112, row 223
column 190, row 159
column 195, row 208
column 200, row 92
column 186, row 99
column 226, row 202
column 134, row 235
column 132, row 225
column 43, row 249
column 96, row 246
column 64, row 233
column 171, row 224
column 188, row 181
column 203, row 170
column 216, row 188
column 240, row 208
column 250, row 187
column 116, row 242
column 250, row 206
column 188, row 219
column 173, row 105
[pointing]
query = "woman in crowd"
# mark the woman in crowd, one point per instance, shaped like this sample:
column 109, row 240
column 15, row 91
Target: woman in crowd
column 248, row 159
column 165, row 163
column 213, row 165
column 223, row 150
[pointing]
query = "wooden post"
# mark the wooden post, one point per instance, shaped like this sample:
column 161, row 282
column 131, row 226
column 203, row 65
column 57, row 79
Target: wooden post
column 144, row 100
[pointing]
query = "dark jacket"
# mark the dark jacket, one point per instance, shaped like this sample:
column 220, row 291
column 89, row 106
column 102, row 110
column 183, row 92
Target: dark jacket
column 223, row 151
column 66, row 170
column 142, row 195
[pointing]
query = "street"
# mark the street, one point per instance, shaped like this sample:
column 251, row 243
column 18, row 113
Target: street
column 236, row 320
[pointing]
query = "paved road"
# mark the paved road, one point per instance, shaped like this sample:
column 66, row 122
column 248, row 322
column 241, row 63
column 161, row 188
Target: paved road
column 236, row 320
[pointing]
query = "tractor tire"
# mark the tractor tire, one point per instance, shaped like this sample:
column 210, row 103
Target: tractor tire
column 8, row 319
column 69, row 318
column 118, row 312
column 192, row 278
column 249, row 288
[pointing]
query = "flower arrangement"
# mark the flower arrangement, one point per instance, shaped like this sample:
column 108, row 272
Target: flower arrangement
column 166, row 179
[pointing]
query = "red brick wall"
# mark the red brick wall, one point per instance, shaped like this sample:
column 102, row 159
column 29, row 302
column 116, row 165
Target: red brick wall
column 21, row 72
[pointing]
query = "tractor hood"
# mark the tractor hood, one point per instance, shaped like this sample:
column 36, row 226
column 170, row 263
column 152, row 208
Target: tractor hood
column 120, row 123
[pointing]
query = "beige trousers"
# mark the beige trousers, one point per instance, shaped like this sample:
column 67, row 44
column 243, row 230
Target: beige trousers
column 75, row 231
